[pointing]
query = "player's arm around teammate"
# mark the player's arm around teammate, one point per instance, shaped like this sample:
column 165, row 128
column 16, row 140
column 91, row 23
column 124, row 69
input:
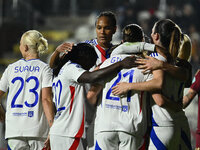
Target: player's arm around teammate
column 180, row 72
column 161, row 39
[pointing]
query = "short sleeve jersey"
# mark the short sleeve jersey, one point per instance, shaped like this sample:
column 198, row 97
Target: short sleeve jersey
column 128, row 113
column 69, row 100
column 24, row 80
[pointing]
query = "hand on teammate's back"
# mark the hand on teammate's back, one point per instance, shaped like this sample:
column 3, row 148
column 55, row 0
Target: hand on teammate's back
column 121, row 88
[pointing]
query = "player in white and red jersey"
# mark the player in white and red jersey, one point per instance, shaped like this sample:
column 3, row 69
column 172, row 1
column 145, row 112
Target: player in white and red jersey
column 121, row 121
column 29, row 99
column 105, row 28
column 68, row 127
column 169, row 123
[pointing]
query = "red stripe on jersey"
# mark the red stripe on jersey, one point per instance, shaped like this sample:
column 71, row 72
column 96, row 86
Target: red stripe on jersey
column 80, row 132
column 72, row 90
column 75, row 144
column 141, row 98
column 103, row 52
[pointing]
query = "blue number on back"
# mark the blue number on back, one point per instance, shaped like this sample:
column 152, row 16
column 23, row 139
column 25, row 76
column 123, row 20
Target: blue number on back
column 110, row 90
column 34, row 90
column 130, row 73
column 13, row 105
column 108, row 94
column 57, row 98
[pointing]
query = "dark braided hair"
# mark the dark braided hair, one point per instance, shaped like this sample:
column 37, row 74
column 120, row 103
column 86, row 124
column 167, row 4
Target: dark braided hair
column 83, row 54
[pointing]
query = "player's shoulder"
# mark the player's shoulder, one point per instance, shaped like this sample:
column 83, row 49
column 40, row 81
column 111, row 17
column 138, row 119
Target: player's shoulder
column 16, row 63
column 113, row 59
column 71, row 65
column 158, row 56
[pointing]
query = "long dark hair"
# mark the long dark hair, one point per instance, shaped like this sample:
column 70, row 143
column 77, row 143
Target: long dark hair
column 83, row 54
column 170, row 35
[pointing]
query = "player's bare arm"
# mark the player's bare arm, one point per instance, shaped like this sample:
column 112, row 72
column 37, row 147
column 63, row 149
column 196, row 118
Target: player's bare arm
column 47, row 104
column 152, row 85
column 164, row 102
column 55, row 57
column 98, row 75
column 151, row 63
column 188, row 97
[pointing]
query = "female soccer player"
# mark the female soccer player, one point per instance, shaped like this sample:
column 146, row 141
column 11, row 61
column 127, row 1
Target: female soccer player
column 121, row 122
column 165, row 117
column 29, row 111
column 68, row 127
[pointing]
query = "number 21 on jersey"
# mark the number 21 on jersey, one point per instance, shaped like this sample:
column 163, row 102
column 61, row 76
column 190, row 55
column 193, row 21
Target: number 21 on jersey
column 120, row 77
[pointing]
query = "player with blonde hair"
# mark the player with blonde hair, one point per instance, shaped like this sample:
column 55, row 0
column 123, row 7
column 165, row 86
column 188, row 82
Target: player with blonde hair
column 29, row 110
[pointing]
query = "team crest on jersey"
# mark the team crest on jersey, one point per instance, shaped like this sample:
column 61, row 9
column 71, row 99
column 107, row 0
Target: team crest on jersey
column 30, row 113
column 124, row 108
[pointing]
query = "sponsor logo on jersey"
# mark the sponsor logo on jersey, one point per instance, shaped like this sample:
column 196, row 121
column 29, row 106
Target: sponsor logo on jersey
column 123, row 108
column 19, row 114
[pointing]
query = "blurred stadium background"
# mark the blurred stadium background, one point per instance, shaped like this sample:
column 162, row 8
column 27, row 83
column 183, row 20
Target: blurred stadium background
column 74, row 21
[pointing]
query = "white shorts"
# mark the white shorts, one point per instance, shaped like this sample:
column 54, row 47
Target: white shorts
column 26, row 143
column 117, row 140
column 65, row 143
column 164, row 138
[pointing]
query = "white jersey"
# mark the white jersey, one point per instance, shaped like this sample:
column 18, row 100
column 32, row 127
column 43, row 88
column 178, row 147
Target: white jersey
column 69, row 99
column 24, row 80
column 102, row 53
column 173, row 90
column 127, row 114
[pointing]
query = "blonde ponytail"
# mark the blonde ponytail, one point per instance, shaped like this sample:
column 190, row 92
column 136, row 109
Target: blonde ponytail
column 35, row 41
column 185, row 48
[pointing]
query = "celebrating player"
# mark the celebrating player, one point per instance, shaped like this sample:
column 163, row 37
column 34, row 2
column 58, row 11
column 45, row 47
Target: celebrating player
column 165, row 117
column 68, row 127
column 121, row 122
